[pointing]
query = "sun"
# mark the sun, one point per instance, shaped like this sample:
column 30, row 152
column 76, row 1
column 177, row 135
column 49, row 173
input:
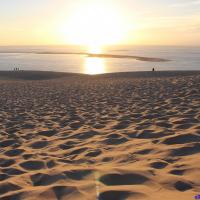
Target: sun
column 94, row 25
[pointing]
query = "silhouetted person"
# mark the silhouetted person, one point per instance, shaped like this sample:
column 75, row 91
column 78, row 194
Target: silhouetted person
column 16, row 69
column 153, row 70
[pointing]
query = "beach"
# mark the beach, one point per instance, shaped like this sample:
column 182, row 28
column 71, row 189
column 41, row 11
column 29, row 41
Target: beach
column 119, row 136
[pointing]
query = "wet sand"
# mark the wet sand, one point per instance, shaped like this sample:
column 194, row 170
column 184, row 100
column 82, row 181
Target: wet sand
column 121, row 136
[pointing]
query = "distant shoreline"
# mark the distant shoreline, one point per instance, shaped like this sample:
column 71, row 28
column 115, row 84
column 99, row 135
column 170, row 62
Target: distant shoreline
column 140, row 58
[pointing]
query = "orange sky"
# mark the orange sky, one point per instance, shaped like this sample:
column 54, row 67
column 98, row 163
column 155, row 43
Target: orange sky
column 142, row 22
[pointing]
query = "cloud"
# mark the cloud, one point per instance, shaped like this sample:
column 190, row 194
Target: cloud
column 184, row 4
column 195, row 28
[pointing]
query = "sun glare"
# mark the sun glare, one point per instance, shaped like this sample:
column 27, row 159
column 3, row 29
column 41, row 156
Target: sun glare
column 94, row 66
column 94, row 25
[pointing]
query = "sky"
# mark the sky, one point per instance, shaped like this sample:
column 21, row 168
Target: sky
column 139, row 22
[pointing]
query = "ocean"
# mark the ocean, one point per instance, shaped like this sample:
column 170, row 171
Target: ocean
column 73, row 58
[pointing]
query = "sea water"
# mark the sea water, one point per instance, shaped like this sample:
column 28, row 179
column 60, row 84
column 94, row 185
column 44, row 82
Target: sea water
column 38, row 58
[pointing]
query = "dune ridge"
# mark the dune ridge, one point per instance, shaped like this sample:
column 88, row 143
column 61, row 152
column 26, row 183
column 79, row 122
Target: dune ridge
column 45, row 75
column 120, row 136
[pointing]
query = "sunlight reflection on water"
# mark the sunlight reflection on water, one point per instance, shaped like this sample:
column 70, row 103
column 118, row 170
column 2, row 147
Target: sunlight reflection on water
column 182, row 58
column 94, row 66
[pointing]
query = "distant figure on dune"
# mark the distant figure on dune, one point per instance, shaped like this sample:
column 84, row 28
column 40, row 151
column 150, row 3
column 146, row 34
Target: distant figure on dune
column 153, row 70
column 16, row 69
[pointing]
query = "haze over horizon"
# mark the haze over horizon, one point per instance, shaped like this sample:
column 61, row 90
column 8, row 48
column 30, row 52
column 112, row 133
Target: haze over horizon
column 95, row 22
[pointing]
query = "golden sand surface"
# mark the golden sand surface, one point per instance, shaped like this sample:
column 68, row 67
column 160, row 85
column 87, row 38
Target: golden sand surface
column 122, row 136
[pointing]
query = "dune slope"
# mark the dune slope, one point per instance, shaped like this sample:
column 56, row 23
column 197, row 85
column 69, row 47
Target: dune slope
column 108, row 137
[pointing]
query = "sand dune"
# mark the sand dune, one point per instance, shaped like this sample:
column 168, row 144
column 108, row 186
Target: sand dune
column 119, row 136
column 35, row 75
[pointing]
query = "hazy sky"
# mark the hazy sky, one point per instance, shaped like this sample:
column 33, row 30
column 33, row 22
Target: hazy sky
column 38, row 22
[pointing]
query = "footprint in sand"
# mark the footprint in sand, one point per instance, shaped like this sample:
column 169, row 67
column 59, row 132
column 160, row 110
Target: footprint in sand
column 182, row 186
column 32, row 165
column 114, row 195
column 14, row 152
column 159, row 165
column 6, row 162
column 115, row 139
column 41, row 179
column 123, row 179
column 39, row 144
column 177, row 172
column 7, row 143
column 13, row 171
column 186, row 151
column 48, row 133
column 3, row 177
column 182, row 139
column 6, row 187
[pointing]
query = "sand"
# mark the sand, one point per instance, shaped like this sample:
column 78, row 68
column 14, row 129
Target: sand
column 100, row 55
column 95, row 55
column 122, row 136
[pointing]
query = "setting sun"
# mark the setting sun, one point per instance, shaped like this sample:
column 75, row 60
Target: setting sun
column 94, row 25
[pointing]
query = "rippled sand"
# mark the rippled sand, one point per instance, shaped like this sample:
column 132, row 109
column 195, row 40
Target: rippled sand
column 121, row 136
